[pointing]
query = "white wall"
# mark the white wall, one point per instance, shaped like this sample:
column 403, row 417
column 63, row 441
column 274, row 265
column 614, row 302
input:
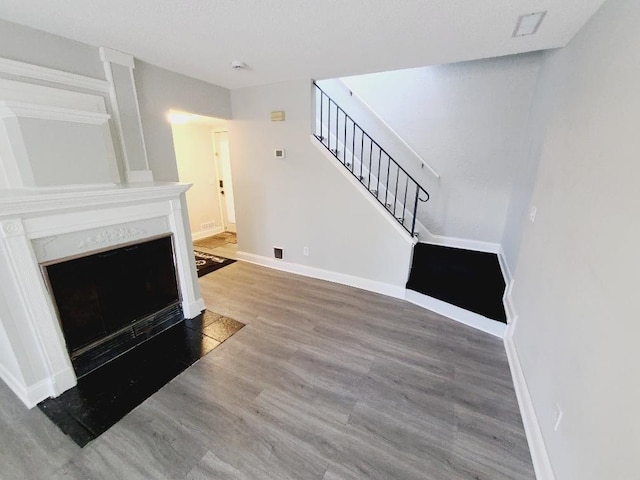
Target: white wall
column 161, row 90
column 303, row 200
column 196, row 165
column 467, row 121
column 578, row 272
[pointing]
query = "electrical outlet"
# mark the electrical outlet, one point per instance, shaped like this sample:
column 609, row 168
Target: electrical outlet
column 207, row 226
column 557, row 417
column 532, row 214
column 305, row 251
column 278, row 253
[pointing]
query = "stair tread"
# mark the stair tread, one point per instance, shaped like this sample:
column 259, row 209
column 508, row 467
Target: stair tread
column 466, row 278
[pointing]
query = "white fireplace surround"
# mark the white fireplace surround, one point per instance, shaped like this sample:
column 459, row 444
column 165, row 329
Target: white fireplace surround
column 67, row 142
column 37, row 227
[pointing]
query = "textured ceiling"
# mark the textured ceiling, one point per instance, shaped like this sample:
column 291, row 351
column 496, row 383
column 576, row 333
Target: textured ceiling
column 292, row 39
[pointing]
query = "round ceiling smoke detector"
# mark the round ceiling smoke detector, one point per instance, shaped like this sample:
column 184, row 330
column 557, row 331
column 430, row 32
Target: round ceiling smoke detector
column 238, row 65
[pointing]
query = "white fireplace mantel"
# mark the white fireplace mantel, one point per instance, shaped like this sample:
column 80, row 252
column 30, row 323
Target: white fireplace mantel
column 44, row 225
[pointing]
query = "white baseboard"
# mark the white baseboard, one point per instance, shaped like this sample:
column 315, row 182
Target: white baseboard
column 29, row 395
column 193, row 309
column 14, row 384
column 504, row 266
column 388, row 289
column 463, row 243
column 508, row 278
column 63, row 381
column 458, row 314
column 507, row 301
column 537, row 447
column 206, row 233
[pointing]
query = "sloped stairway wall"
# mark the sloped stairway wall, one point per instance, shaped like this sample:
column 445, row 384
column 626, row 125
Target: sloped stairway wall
column 466, row 120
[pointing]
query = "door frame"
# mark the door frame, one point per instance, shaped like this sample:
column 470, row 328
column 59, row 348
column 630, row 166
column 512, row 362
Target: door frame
column 221, row 198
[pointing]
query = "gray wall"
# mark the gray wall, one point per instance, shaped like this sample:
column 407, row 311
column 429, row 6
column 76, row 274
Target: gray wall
column 161, row 90
column 303, row 200
column 467, row 120
column 25, row 44
column 528, row 155
column 577, row 276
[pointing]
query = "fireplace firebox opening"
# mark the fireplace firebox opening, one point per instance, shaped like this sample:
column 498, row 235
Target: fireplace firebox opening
column 110, row 301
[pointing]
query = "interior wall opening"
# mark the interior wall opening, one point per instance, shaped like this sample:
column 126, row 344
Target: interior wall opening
column 202, row 154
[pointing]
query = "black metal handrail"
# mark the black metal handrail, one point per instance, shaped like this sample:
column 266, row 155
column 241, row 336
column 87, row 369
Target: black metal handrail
column 388, row 175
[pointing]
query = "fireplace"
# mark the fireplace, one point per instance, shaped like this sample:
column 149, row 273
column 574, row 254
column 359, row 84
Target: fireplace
column 75, row 181
column 109, row 302
column 45, row 235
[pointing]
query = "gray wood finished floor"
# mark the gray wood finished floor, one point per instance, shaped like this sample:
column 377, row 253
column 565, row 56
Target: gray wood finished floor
column 325, row 382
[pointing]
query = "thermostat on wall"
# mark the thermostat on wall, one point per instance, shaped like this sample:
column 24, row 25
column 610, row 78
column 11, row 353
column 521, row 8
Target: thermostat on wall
column 278, row 153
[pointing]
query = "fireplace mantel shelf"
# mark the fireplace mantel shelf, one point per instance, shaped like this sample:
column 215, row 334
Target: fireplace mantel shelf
column 25, row 202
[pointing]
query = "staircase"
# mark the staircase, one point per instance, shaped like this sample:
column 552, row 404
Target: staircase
column 365, row 159
column 462, row 284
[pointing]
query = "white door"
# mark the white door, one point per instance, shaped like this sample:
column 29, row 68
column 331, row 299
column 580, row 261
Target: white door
column 224, row 185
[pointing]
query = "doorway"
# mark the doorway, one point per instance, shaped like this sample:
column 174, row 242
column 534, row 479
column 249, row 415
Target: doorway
column 225, row 186
column 202, row 155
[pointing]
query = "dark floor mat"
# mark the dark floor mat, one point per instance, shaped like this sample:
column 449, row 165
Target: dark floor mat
column 465, row 278
column 106, row 395
column 207, row 263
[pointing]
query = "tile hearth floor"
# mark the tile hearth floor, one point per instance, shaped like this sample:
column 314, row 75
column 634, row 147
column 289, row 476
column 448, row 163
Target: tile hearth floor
column 107, row 394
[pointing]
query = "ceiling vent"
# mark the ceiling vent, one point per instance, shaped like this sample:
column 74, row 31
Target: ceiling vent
column 528, row 24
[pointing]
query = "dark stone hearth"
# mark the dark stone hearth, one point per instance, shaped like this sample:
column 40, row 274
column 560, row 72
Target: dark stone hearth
column 108, row 393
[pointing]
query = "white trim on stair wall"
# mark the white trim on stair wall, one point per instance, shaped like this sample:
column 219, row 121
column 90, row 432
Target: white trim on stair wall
column 509, row 280
column 539, row 453
column 479, row 322
column 463, row 243
column 388, row 289
column 366, row 194
column 454, row 242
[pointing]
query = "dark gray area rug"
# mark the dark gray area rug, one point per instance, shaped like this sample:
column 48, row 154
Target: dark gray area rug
column 207, row 263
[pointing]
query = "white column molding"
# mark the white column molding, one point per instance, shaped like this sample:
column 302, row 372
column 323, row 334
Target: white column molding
column 41, row 320
column 139, row 176
column 129, row 126
column 11, row 228
column 114, row 56
column 192, row 302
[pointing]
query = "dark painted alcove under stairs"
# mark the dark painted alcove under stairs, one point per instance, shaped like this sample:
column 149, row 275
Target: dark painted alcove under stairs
column 465, row 278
